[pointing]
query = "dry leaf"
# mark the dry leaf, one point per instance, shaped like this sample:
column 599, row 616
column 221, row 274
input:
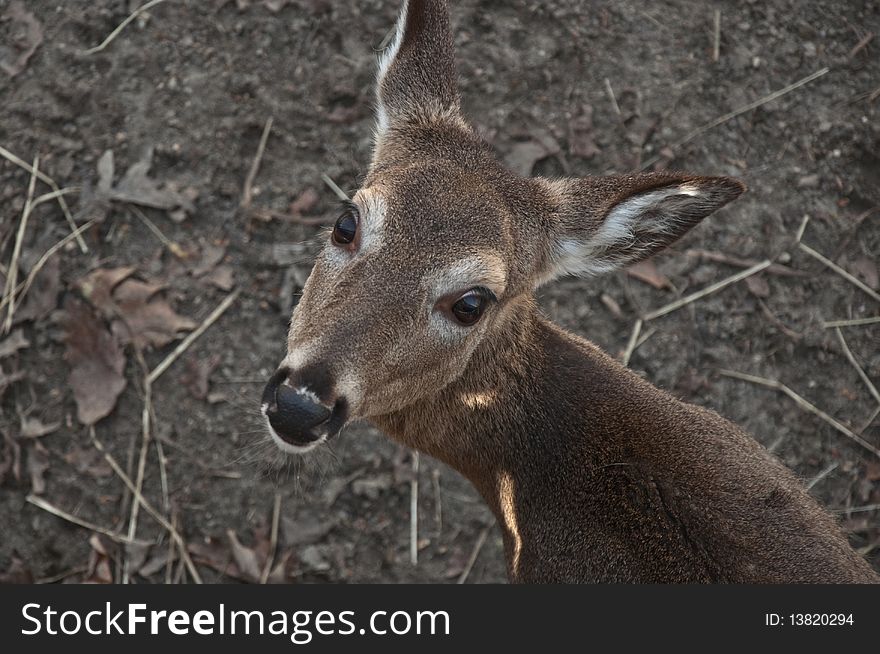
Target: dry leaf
column 17, row 573
column 305, row 202
column 581, row 137
column 144, row 319
column 34, row 428
column 137, row 315
column 223, row 277
column 38, row 464
column 100, row 559
column 13, row 343
column 137, row 187
column 646, row 271
column 10, row 459
column 96, row 363
column 758, row 286
column 137, row 554
column 281, row 570
column 523, row 156
column 156, row 563
column 612, row 305
column 97, row 287
column 88, row 461
column 214, row 554
column 245, row 558
column 6, row 380
column 42, row 298
column 26, row 36
column 212, row 255
column 97, row 545
column 307, row 528
column 866, row 269
column 198, row 372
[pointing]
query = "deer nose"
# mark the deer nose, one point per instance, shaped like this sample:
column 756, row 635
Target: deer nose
column 295, row 414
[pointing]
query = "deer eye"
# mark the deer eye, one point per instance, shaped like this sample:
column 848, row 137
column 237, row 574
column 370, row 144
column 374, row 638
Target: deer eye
column 469, row 308
column 345, row 229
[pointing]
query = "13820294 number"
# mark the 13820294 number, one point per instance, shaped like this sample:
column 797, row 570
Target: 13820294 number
column 820, row 619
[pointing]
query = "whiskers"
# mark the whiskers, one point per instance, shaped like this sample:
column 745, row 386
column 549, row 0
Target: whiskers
column 259, row 457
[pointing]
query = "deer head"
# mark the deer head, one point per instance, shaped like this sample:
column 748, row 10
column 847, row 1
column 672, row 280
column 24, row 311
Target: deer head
column 442, row 247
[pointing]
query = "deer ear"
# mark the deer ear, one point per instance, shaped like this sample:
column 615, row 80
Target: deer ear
column 417, row 71
column 600, row 224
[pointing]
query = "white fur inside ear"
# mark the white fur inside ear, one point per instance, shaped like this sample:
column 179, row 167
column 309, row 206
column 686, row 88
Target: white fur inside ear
column 617, row 232
column 385, row 61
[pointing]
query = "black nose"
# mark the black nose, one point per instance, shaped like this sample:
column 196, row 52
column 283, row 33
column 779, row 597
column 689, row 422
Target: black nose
column 295, row 416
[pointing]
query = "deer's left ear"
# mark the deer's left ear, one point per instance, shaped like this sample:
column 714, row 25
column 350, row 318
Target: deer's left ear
column 417, row 71
column 600, row 224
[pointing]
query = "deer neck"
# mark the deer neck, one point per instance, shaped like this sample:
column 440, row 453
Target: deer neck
column 513, row 424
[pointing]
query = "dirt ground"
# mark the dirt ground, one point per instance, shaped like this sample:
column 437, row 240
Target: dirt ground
column 562, row 87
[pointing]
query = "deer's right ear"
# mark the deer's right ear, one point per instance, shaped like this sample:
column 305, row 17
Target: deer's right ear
column 417, row 71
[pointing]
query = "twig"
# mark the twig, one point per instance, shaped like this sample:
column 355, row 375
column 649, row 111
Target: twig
column 631, row 344
column 386, row 39
column 342, row 195
column 54, row 195
column 716, row 41
column 438, row 501
column 827, row 471
column 192, row 336
column 273, row 539
column 859, row 509
column 181, row 543
column 25, row 286
column 12, row 272
column 855, row 364
column 163, row 473
column 722, row 257
column 840, row 271
column 752, row 105
column 803, row 227
column 137, row 12
column 804, row 404
column 852, row 323
column 142, row 459
column 613, row 98
column 414, row 511
column 870, row 419
column 62, row 575
column 173, row 247
column 644, row 337
column 6, row 154
column 481, row 540
column 268, row 214
column 733, row 114
column 662, row 311
column 781, row 326
column 248, row 190
column 865, row 40
column 115, row 536
column 853, row 230
column 169, row 562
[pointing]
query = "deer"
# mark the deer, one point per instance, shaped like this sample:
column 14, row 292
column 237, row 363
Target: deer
column 420, row 316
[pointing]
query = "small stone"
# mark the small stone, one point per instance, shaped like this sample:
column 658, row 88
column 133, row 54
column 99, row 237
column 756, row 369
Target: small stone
column 808, row 181
column 313, row 558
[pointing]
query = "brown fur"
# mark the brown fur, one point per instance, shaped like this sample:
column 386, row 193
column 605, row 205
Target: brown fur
column 594, row 474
